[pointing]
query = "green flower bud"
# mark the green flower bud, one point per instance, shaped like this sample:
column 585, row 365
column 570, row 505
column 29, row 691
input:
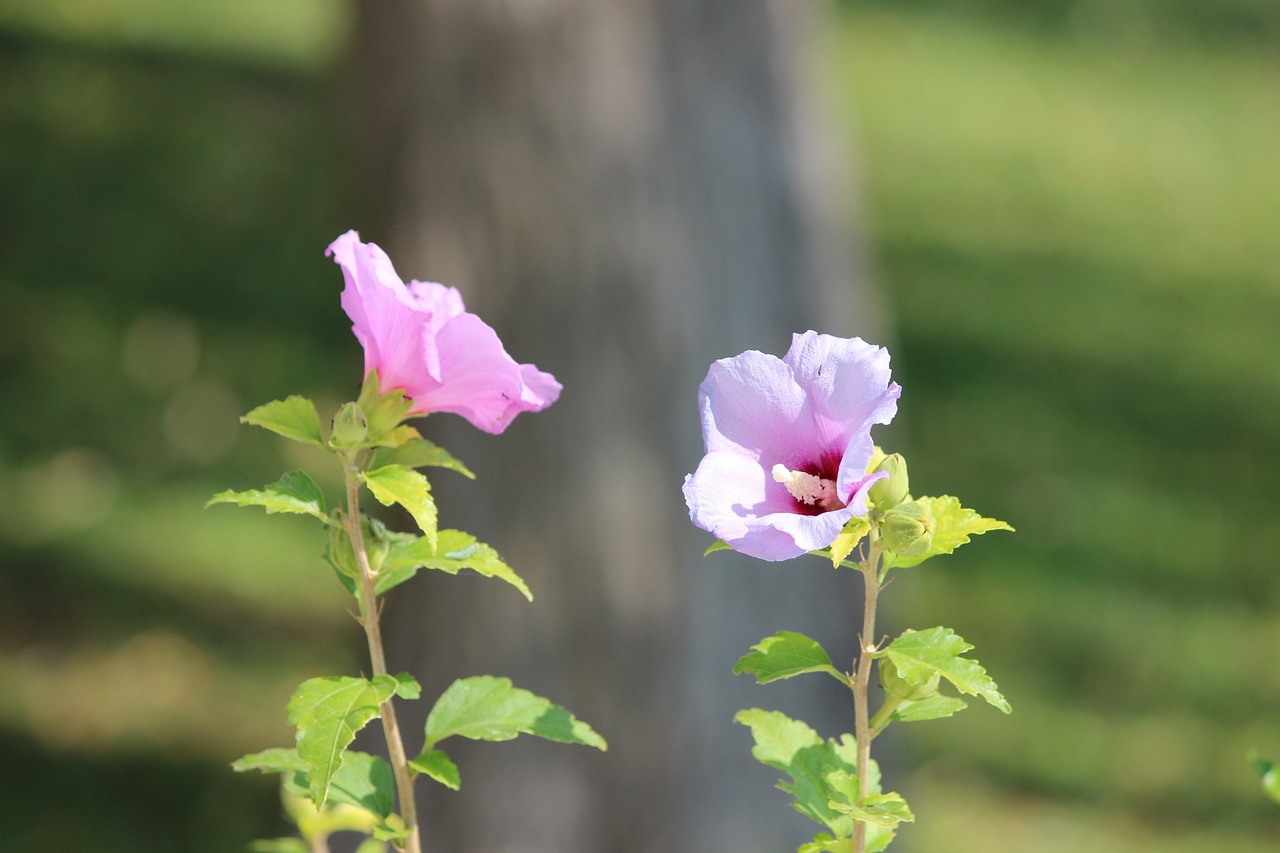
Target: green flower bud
column 892, row 490
column 907, row 530
column 350, row 426
column 895, row 685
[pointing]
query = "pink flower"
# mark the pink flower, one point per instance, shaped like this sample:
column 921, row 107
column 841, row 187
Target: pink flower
column 788, row 444
column 420, row 339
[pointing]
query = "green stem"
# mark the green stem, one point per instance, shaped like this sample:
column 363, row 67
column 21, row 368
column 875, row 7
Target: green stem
column 862, row 681
column 881, row 720
column 368, row 598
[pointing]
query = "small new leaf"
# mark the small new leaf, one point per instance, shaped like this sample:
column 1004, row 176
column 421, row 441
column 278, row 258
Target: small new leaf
column 718, row 545
column 438, row 766
column 407, row 687
column 918, row 655
column 452, row 552
column 487, row 708
column 328, row 712
column 848, row 539
column 396, row 484
column 295, row 492
column 293, row 417
column 416, row 453
column 953, row 525
column 784, row 655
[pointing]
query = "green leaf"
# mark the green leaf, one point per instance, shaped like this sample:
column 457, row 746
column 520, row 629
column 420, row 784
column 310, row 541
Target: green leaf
column 953, row 525
column 795, row 749
column 293, row 417
column 488, row 708
column 328, row 712
column 364, row 781
column 417, row 452
column 275, row 760
column 294, row 492
column 824, row 842
column 784, row 655
column 392, row 829
column 934, row 708
column 717, row 545
column 396, row 484
column 849, row 537
column 407, row 687
column 920, row 654
column 438, row 766
column 886, row 810
column 1270, row 775
column 452, row 552
column 371, row 845
column 384, row 412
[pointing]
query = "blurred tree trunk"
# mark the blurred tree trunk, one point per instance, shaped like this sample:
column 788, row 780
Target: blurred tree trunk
column 626, row 191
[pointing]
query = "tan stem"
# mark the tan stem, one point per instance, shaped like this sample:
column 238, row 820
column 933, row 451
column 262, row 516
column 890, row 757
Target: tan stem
column 373, row 633
column 862, row 682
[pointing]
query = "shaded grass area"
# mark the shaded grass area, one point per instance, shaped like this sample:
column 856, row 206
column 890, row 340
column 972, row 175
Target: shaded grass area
column 1077, row 239
column 164, row 214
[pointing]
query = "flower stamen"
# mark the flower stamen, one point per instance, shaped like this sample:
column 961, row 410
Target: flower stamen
column 807, row 488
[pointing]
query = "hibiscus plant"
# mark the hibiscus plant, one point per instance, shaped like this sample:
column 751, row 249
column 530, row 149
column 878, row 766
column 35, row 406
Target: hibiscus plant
column 791, row 469
column 423, row 353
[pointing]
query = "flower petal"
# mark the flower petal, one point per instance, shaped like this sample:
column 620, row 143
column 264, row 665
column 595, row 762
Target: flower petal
column 847, row 383
column 479, row 380
column 751, row 404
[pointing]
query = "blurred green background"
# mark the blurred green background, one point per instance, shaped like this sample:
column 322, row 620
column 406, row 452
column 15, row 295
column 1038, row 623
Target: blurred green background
column 1072, row 208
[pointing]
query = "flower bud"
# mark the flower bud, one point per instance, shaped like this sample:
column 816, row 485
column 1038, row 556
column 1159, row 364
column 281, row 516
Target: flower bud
column 890, row 491
column 350, row 426
column 907, row 530
column 895, row 685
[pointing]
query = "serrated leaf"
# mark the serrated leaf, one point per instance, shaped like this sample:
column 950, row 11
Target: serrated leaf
column 795, row 749
column 295, row 492
column 784, row 655
column 485, row 707
column 416, row 453
column 920, row 654
column 275, row 760
column 452, row 552
column 366, row 782
column 328, row 712
column 396, row 484
column 293, row 417
column 718, row 545
column 934, row 708
column 849, row 537
column 953, row 525
column 438, row 766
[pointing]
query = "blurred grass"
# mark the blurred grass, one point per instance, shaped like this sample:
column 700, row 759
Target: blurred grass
column 1077, row 230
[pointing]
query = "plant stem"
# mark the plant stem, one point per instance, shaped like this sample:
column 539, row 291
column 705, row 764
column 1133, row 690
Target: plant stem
column 373, row 633
column 861, row 683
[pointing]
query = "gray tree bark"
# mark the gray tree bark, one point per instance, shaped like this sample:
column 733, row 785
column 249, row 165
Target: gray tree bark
column 626, row 191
